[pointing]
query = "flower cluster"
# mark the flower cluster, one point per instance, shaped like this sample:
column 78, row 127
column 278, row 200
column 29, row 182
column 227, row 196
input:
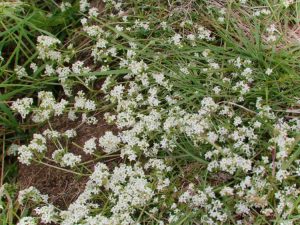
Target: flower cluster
column 204, row 199
column 46, row 48
column 48, row 107
column 37, row 146
column 22, row 106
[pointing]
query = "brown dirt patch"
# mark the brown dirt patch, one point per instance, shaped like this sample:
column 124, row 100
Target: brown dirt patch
column 62, row 187
column 98, row 4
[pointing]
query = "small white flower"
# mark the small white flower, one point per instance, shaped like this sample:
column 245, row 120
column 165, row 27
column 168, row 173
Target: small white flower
column 47, row 213
column 20, row 71
column 84, row 5
column 119, row 28
column 34, row 67
column 242, row 208
column 227, row 191
column 237, row 121
column 22, row 106
column 90, row 146
column 27, row 221
column 287, row 3
column 31, row 194
column 25, row 155
column 71, row 160
column 72, row 115
column 217, row 90
column 47, row 40
column 93, row 12
column 257, row 124
column 70, row 133
column 176, row 39
column 109, row 142
column 164, row 25
column 269, row 71
column 64, row 6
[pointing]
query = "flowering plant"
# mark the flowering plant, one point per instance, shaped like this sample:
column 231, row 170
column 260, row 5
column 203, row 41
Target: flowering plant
column 199, row 134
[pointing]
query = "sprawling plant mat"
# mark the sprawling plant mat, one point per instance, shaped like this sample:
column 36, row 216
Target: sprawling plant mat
column 150, row 112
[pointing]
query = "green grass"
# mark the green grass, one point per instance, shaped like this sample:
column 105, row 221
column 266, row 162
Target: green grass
column 20, row 24
column 241, row 36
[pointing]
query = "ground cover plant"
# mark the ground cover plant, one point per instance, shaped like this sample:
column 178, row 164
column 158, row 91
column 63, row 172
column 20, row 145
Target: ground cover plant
column 150, row 112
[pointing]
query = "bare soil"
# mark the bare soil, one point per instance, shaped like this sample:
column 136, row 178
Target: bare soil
column 62, row 187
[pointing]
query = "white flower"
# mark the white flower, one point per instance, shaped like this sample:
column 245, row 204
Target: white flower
column 176, row 39
column 84, row 5
column 227, row 191
column 237, row 121
column 27, row 221
column 38, row 143
column 46, row 46
column 83, row 21
column 32, row 194
column 271, row 29
column 47, row 213
column 212, row 137
column 269, row 71
column 34, row 67
column 109, row 142
column 71, row 160
column 158, row 164
column 64, row 6
column 70, row 133
column 13, row 149
column 267, row 212
column 77, row 67
column 72, row 115
column 159, row 78
column 90, row 146
column 51, row 134
column 47, row 40
column 241, row 208
column 164, row 25
column 100, row 175
column 217, row 90
column 282, row 175
column 93, row 12
column 22, row 106
column 208, row 104
column 59, row 107
column 49, row 70
column 191, row 37
column 82, row 103
column 184, row 70
column 117, row 91
column 119, row 28
column 90, row 105
column 257, row 124
column 206, row 52
column 91, row 120
column 287, row 3
column 137, row 67
column 25, row 155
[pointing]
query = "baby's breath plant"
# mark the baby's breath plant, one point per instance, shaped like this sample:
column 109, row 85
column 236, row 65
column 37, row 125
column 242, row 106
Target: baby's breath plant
column 202, row 99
